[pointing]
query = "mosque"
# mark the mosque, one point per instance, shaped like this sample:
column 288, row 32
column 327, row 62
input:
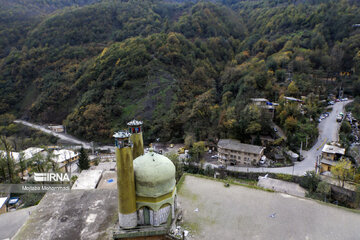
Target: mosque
column 146, row 187
column 143, row 207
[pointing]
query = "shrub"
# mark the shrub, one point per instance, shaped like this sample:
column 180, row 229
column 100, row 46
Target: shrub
column 310, row 181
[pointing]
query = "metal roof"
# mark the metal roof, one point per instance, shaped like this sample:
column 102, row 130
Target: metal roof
column 134, row 123
column 63, row 155
column 259, row 100
column 293, row 99
column 234, row 144
column 328, row 162
column 122, row 134
column 333, row 149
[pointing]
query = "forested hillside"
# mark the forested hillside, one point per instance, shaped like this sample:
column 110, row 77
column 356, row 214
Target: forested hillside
column 185, row 68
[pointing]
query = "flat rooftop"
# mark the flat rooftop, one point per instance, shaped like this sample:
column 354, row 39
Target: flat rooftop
column 212, row 212
column 77, row 214
column 108, row 180
column 236, row 145
column 333, row 149
column 88, row 179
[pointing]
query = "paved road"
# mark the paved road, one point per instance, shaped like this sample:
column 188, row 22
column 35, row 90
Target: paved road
column 11, row 222
column 279, row 132
column 328, row 131
column 62, row 136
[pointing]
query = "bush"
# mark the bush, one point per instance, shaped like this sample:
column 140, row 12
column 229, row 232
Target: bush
column 310, row 181
column 324, row 190
column 285, row 177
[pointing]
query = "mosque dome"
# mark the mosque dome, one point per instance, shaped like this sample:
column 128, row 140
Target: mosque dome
column 154, row 175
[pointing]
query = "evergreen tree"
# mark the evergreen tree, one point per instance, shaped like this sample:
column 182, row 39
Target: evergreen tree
column 83, row 160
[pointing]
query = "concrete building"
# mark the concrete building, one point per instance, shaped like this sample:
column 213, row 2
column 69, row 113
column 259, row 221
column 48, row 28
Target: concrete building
column 330, row 154
column 231, row 151
column 66, row 159
column 265, row 104
column 292, row 99
column 56, row 128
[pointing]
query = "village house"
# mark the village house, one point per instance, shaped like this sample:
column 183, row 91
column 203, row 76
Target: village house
column 265, row 104
column 66, row 159
column 231, row 151
column 56, row 128
column 292, row 99
column 329, row 156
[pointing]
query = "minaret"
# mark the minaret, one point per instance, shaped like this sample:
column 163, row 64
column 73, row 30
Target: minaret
column 135, row 129
column 125, row 180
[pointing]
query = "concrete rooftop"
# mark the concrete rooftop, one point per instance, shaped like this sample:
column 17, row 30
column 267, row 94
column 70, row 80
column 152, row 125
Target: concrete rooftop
column 88, row 179
column 77, row 214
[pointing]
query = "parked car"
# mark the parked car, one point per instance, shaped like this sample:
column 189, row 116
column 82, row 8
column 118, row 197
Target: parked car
column 262, row 160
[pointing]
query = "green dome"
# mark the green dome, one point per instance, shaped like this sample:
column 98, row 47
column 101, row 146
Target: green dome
column 154, row 175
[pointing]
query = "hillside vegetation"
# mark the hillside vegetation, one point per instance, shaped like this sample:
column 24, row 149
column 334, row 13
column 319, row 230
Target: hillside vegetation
column 188, row 69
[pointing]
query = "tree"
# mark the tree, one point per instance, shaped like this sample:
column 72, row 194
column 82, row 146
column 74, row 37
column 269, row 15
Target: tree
column 290, row 124
column 310, row 181
column 197, row 151
column 40, row 164
column 22, row 164
column 357, row 196
column 83, row 160
column 178, row 165
column 49, row 160
column 3, row 167
column 293, row 89
column 324, row 189
column 342, row 170
column 253, row 128
column 9, row 160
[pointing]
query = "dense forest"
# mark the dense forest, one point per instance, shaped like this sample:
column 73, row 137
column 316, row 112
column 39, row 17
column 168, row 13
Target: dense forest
column 187, row 68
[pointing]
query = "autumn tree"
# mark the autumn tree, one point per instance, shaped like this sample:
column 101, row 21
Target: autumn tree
column 178, row 164
column 197, row 151
column 342, row 170
column 292, row 89
column 290, row 124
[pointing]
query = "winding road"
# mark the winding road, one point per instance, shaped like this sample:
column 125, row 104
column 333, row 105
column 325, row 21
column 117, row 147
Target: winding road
column 63, row 136
column 328, row 132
